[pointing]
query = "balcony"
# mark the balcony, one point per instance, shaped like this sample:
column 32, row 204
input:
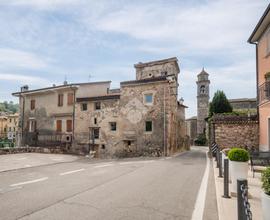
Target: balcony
column 264, row 93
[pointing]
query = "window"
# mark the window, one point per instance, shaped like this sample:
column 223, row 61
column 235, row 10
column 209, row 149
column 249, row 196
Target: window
column 96, row 133
column 69, row 125
column 10, row 120
column 9, row 129
column 103, row 146
column 84, row 106
column 113, row 126
column 97, row 105
column 70, row 99
column 95, row 121
column 59, row 125
column 148, row 98
column 148, row 126
column 32, row 125
column 33, row 104
column 60, row 99
column 202, row 89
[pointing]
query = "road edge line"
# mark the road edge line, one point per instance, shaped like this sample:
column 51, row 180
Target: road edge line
column 198, row 210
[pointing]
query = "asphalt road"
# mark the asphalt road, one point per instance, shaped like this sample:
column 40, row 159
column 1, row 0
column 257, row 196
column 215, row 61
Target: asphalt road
column 149, row 188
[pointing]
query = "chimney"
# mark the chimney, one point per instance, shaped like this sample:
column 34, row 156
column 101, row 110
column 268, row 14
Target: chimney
column 65, row 82
column 24, row 88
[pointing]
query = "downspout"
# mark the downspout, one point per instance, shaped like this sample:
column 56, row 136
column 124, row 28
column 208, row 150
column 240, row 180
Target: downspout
column 257, row 78
column 73, row 116
column 164, row 122
column 22, row 118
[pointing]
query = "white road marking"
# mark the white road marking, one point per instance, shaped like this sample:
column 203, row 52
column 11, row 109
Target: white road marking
column 105, row 165
column 70, row 172
column 135, row 162
column 27, row 165
column 167, row 158
column 28, row 182
column 22, row 158
column 200, row 201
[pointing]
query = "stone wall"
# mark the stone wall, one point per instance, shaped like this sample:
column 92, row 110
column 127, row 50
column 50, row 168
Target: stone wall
column 235, row 131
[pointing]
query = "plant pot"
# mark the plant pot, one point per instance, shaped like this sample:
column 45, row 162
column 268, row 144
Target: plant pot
column 265, row 206
column 239, row 170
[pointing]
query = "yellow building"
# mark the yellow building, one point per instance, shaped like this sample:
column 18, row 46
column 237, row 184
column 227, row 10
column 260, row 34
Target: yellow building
column 12, row 126
column 3, row 126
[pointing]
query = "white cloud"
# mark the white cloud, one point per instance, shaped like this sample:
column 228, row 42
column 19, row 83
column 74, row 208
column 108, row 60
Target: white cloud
column 41, row 4
column 10, row 58
column 23, row 79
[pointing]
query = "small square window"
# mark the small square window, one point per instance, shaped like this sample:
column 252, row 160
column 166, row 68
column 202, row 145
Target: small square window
column 113, row 126
column 97, row 105
column 148, row 98
column 148, row 126
column 84, row 106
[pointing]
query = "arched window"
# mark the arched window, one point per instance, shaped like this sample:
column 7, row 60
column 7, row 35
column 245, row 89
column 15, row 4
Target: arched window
column 202, row 89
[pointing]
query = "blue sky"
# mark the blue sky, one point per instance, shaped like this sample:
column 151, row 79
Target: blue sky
column 42, row 41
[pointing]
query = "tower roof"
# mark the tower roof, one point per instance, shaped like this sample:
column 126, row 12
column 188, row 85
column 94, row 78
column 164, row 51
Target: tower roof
column 203, row 72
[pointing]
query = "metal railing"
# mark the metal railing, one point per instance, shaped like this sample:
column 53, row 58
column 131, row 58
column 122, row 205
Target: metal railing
column 264, row 92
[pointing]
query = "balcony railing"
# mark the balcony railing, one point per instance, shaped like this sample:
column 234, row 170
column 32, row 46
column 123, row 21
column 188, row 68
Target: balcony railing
column 264, row 93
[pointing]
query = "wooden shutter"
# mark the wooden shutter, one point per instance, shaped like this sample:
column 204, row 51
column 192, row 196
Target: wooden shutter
column 59, row 125
column 33, row 104
column 70, row 99
column 69, row 125
column 60, row 99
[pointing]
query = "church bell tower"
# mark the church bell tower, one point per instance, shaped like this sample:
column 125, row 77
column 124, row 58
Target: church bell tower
column 202, row 100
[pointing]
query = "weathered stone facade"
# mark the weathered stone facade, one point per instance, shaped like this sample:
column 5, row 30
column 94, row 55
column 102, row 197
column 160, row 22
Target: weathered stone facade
column 129, row 111
column 235, row 131
column 143, row 117
column 202, row 101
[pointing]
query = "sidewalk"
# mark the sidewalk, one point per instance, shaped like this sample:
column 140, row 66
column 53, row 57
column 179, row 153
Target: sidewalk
column 227, row 208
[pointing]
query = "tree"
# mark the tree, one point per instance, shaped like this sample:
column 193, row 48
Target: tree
column 219, row 104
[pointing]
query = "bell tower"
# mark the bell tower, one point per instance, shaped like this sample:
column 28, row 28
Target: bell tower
column 202, row 100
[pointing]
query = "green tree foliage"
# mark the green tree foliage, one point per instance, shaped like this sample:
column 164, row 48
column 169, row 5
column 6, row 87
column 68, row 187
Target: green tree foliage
column 9, row 107
column 219, row 104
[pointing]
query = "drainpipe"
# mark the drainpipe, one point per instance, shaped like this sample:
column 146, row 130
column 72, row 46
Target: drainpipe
column 22, row 119
column 164, row 122
column 257, row 79
column 73, row 115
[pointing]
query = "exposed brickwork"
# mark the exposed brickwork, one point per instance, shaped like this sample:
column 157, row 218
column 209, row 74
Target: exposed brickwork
column 235, row 133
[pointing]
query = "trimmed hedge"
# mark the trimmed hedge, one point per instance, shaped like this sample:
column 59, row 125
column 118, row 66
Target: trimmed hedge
column 266, row 181
column 238, row 154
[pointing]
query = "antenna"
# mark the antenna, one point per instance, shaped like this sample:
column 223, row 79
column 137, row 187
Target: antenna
column 90, row 77
column 65, row 81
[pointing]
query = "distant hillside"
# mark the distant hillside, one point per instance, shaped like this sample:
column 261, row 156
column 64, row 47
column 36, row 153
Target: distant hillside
column 9, row 107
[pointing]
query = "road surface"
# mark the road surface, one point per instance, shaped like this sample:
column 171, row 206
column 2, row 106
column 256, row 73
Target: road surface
column 139, row 188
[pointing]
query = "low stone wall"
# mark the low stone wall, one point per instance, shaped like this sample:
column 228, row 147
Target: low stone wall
column 53, row 150
column 235, row 131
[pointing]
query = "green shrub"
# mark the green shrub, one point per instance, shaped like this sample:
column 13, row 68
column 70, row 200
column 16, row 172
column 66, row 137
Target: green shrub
column 238, row 154
column 266, row 181
column 200, row 140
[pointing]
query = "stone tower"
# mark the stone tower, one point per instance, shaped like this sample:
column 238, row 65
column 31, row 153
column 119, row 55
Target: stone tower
column 202, row 100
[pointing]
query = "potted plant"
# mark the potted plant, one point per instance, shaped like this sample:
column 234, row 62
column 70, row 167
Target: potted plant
column 238, row 166
column 266, row 193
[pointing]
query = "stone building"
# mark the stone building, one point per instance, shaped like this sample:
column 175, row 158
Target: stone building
column 244, row 104
column 143, row 117
column 47, row 114
column 202, row 101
